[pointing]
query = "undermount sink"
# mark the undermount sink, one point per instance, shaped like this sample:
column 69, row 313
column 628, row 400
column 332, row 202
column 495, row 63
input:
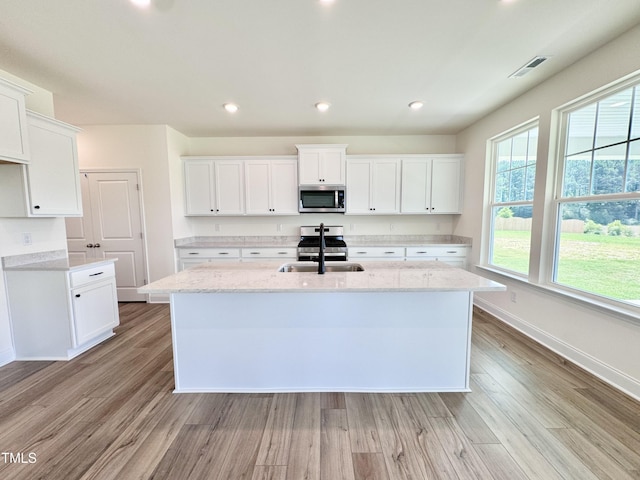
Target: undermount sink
column 313, row 267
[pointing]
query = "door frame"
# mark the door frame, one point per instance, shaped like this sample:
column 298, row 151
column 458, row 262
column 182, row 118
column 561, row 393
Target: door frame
column 138, row 172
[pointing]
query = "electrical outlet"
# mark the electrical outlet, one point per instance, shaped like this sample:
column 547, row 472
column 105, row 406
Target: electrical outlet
column 514, row 297
column 26, row 238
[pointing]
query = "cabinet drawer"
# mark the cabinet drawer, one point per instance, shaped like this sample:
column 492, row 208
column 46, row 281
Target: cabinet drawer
column 363, row 252
column 269, row 252
column 93, row 274
column 439, row 251
column 210, row 253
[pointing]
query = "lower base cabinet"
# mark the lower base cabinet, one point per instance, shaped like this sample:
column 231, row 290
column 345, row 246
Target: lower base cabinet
column 59, row 314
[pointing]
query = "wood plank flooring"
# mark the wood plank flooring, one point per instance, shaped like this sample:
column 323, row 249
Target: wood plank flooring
column 111, row 414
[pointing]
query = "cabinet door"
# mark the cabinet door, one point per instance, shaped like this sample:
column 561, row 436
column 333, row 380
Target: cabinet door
column 416, row 186
column 309, row 167
column 385, row 186
column 284, row 187
column 359, row 187
column 199, row 187
column 332, row 168
column 446, row 174
column 257, row 187
column 14, row 144
column 54, row 177
column 95, row 310
column 229, row 187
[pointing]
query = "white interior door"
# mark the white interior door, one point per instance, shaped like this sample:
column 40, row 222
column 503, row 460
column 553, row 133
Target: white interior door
column 111, row 228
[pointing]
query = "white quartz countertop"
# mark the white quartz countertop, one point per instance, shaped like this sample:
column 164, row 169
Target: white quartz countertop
column 263, row 277
column 58, row 264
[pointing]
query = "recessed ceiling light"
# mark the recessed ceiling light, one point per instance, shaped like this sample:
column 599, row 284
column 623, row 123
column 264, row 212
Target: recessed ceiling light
column 416, row 105
column 141, row 3
column 327, row 2
column 322, row 106
column 231, row 107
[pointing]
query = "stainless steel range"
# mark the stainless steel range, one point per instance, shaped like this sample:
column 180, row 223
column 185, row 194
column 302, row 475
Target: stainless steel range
column 309, row 246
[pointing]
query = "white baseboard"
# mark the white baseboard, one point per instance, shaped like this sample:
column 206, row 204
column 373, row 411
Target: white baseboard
column 7, row 356
column 604, row 372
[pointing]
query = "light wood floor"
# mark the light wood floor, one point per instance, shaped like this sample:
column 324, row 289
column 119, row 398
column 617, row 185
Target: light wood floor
column 110, row 414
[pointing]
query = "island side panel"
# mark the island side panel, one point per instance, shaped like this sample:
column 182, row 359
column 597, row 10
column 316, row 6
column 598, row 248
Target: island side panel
column 334, row 341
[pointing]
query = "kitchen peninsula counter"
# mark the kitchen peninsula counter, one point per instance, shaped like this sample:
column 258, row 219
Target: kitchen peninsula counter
column 394, row 327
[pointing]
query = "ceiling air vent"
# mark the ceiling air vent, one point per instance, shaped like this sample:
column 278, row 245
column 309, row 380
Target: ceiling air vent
column 530, row 65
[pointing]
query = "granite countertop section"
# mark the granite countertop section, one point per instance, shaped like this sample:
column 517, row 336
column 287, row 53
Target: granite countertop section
column 237, row 242
column 263, row 277
column 292, row 241
column 405, row 240
column 54, row 260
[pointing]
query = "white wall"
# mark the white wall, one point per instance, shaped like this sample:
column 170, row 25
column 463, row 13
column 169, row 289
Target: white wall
column 47, row 233
column 605, row 343
column 142, row 147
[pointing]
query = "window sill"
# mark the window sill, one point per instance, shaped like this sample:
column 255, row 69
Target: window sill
column 619, row 309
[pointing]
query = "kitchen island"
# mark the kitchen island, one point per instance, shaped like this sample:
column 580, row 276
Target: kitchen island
column 394, row 327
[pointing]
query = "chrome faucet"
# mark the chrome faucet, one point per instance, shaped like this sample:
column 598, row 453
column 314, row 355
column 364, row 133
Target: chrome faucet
column 323, row 245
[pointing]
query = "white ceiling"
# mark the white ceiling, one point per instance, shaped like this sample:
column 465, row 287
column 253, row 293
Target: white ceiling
column 108, row 62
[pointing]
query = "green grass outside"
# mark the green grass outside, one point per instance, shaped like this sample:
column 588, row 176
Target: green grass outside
column 600, row 264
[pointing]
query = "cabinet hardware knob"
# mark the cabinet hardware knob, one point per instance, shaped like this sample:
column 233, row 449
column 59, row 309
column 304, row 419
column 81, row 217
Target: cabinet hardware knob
column 97, row 245
column 77, row 295
column 90, row 245
column 37, row 207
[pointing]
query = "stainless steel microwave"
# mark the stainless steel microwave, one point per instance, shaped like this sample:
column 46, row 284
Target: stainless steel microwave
column 322, row 199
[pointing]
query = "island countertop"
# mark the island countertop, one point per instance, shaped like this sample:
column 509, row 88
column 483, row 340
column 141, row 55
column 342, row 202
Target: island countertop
column 263, row 277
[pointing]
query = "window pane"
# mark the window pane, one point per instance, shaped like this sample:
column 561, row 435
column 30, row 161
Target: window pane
column 504, row 156
column 511, row 240
column 502, row 187
column 577, row 175
column 530, row 182
column 635, row 123
column 633, row 167
column 608, row 169
column 516, row 190
column 532, row 151
column 613, row 119
column 599, row 249
column 519, row 150
column 581, row 126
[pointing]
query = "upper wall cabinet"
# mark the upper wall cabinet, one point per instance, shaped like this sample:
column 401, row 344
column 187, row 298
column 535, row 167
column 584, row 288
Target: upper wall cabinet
column 373, row 186
column 213, row 186
column 49, row 185
column 321, row 164
column 14, row 145
column 432, row 184
column 271, row 186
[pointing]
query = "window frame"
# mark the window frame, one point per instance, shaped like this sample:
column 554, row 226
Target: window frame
column 490, row 203
column 558, row 199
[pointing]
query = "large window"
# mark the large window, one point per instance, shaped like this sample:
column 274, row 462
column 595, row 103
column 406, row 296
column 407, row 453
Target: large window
column 513, row 174
column 598, row 197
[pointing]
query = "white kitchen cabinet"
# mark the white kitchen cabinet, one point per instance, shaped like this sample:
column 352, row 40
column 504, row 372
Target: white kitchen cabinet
column 455, row 255
column 49, row 185
column 321, row 164
column 271, row 186
column 213, row 186
column 58, row 314
column 390, row 253
column 432, row 185
column 188, row 257
column 14, row 143
column 373, row 186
